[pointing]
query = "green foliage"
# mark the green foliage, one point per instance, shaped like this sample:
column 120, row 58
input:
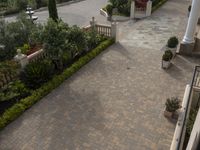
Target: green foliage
column 55, row 37
column 36, row 35
column 14, row 91
column 66, row 58
column 21, row 4
column 172, row 42
column 14, row 34
column 93, row 39
column 167, row 56
column 24, row 48
column 52, row 10
column 37, row 73
column 16, row 110
column 77, row 40
column 123, row 6
column 109, row 9
column 190, row 121
column 8, row 67
column 172, row 104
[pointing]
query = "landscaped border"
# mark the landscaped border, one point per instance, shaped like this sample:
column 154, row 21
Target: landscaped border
column 158, row 5
column 16, row 110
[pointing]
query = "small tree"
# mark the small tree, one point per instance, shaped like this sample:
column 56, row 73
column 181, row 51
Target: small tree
column 53, row 10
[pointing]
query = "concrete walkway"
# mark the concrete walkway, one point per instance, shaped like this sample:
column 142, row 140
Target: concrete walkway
column 116, row 101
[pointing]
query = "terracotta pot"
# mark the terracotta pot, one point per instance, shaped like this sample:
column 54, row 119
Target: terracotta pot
column 168, row 114
column 175, row 115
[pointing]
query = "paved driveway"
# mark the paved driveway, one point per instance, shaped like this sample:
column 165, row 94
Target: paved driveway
column 116, row 101
column 79, row 13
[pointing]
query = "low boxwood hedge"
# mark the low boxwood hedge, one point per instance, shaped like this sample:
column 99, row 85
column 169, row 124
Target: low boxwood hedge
column 16, row 110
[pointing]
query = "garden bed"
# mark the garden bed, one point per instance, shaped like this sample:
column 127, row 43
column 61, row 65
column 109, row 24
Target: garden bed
column 18, row 108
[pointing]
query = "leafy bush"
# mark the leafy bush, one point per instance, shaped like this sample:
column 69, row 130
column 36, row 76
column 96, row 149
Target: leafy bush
column 24, row 48
column 55, row 37
column 37, row 73
column 172, row 42
column 16, row 110
column 13, row 35
column 77, row 41
column 66, row 58
column 14, row 91
column 123, row 6
column 172, row 104
column 109, row 9
column 93, row 39
column 21, row 4
column 167, row 56
column 36, row 35
column 10, row 68
column 190, row 121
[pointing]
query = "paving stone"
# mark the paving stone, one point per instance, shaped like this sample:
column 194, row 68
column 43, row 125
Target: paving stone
column 116, row 101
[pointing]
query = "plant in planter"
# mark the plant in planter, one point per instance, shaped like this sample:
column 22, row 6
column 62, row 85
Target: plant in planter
column 172, row 44
column 172, row 105
column 109, row 9
column 166, row 59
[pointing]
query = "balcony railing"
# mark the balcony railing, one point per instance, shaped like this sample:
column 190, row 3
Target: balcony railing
column 179, row 134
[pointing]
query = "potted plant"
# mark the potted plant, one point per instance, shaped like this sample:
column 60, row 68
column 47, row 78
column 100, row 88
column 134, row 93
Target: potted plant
column 172, row 105
column 166, row 59
column 172, row 44
column 109, row 9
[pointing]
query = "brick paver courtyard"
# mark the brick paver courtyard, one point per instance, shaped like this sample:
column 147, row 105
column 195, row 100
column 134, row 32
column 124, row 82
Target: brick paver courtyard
column 116, row 101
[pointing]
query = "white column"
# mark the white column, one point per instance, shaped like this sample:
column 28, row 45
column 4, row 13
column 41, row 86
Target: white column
column 148, row 8
column 132, row 12
column 192, row 22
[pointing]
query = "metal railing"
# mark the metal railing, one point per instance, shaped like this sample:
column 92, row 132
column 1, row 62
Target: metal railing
column 195, row 83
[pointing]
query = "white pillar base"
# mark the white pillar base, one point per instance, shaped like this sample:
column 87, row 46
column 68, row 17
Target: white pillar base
column 187, row 40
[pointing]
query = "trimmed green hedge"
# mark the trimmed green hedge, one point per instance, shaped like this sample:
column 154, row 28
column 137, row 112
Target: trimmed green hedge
column 157, row 5
column 17, row 109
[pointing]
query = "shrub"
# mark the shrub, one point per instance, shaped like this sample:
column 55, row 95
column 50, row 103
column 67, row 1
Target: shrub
column 172, row 42
column 123, row 6
column 37, row 73
column 77, row 40
column 172, row 104
column 14, row 91
column 167, row 56
column 66, row 58
column 190, row 121
column 24, row 48
column 13, row 35
column 21, row 4
column 93, row 39
column 55, row 37
column 9, row 68
column 109, row 9
column 16, row 110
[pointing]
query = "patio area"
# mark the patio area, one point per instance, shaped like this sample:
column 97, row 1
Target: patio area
column 116, row 101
